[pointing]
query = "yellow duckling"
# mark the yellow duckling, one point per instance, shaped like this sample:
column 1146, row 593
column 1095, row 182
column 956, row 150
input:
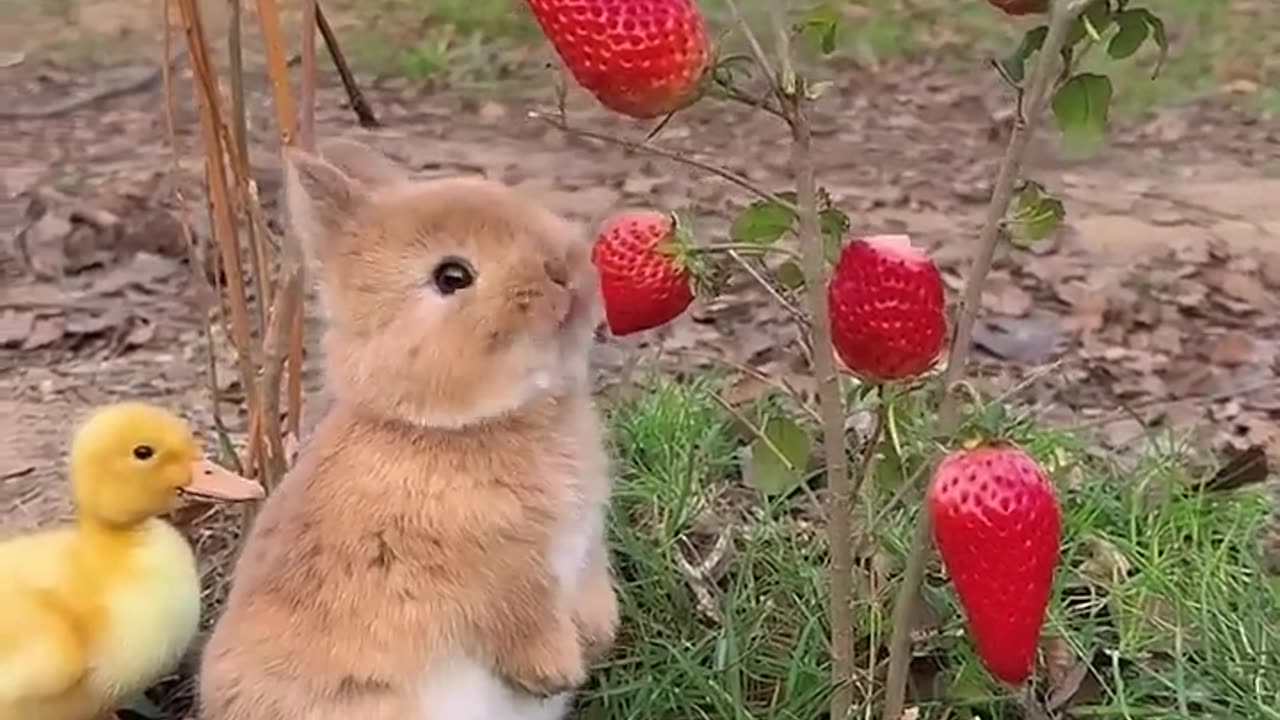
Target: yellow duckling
column 99, row 610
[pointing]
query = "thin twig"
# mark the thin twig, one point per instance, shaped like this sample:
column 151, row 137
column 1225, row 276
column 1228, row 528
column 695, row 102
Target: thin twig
column 729, row 91
column 1062, row 13
column 757, row 52
column 733, row 177
column 307, row 96
column 283, row 339
column 745, row 247
column 359, row 105
column 763, row 437
column 240, row 136
column 763, row 377
column 796, row 313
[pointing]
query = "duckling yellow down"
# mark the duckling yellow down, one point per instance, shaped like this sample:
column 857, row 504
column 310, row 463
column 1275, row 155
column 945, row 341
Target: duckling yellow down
column 96, row 611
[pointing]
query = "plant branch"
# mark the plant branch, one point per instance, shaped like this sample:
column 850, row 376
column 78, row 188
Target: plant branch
column 761, row 58
column 733, row 177
column 288, row 296
column 1062, row 13
column 728, row 91
column 745, row 247
column 307, row 118
column 831, row 410
column 795, row 312
column 359, row 105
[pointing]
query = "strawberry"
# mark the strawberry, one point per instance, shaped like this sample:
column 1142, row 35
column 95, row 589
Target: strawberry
column 642, row 58
column 644, row 280
column 996, row 524
column 1021, row 7
column 886, row 305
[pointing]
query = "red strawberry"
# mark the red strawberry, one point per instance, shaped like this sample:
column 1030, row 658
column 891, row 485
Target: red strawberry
column 1021, row 7
column 996, row 524
column 643, row 280
column 642, row 58
column 886, row 304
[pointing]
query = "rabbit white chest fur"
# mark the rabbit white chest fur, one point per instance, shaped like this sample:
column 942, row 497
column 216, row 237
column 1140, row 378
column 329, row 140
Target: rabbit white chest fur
column 463, row 689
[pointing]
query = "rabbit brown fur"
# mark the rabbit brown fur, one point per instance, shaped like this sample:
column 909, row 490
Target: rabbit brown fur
column 437, row 552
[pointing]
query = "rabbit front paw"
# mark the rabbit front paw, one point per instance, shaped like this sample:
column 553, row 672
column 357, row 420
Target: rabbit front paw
column 596, row 616
column 548, row 665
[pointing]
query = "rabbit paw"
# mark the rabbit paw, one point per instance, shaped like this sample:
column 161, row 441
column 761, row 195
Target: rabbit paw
column 548, row 665
column 596, row 616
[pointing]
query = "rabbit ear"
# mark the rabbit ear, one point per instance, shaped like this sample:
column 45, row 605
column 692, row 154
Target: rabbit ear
column 361, row 162
column 319, row 198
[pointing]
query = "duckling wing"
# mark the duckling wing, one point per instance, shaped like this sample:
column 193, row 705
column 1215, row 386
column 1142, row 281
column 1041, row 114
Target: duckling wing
column 40, row 653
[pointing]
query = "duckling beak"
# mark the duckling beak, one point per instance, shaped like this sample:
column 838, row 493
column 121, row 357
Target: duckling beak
column 212, row 481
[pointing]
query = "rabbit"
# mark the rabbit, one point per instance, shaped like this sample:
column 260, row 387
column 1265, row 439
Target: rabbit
column 438, row 550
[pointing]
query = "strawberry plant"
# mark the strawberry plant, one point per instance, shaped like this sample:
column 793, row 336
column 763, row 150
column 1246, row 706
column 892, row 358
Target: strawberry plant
column 872, row 301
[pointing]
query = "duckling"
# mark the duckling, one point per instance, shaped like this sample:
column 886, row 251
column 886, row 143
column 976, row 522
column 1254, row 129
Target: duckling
column 98, row 610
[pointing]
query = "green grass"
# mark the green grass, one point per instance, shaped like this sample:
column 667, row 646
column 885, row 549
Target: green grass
column 1192, row 630
column 1213, row 41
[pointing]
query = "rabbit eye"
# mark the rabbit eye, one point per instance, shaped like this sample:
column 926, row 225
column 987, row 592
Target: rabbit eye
column 143, row 452
column 453, row 275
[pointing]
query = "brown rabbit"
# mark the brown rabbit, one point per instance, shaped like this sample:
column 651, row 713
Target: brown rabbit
column 437, row 551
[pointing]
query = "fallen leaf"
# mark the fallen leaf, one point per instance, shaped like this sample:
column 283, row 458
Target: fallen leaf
column 745, row 389
column 1232, row 348
column 1065, row 670
column 1030, row 340
column 1104, row 564
column 1245, row 288
column 15, row 326
column 45, row 332
column 92, row 323
column 1009, row 300
column 140, row 333
column 1242, row 469
column 142, row 270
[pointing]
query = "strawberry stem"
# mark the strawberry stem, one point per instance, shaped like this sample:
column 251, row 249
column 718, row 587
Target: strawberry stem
column 744, row 248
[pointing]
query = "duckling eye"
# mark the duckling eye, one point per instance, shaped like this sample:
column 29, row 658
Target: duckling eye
column 452, row 275
column 143, row 452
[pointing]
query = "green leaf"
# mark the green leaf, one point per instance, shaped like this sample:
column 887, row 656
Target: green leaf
column 1081, row 106
column 776, row 462
column 789, row 275
column 763, row 222
column 1092, row 23
column 1014, row 67
column 1158, row 35
column 834, row 224
column 824, row 22
column 1132, row 31
column 1035, row 214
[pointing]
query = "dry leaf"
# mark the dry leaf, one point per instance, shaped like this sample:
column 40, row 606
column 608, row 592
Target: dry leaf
column 1232, row 348
column 1104, row 564
column 1245, row 288
column 45, row 332
column 1242, row 469
column 15, row 326
column 1066, row 672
